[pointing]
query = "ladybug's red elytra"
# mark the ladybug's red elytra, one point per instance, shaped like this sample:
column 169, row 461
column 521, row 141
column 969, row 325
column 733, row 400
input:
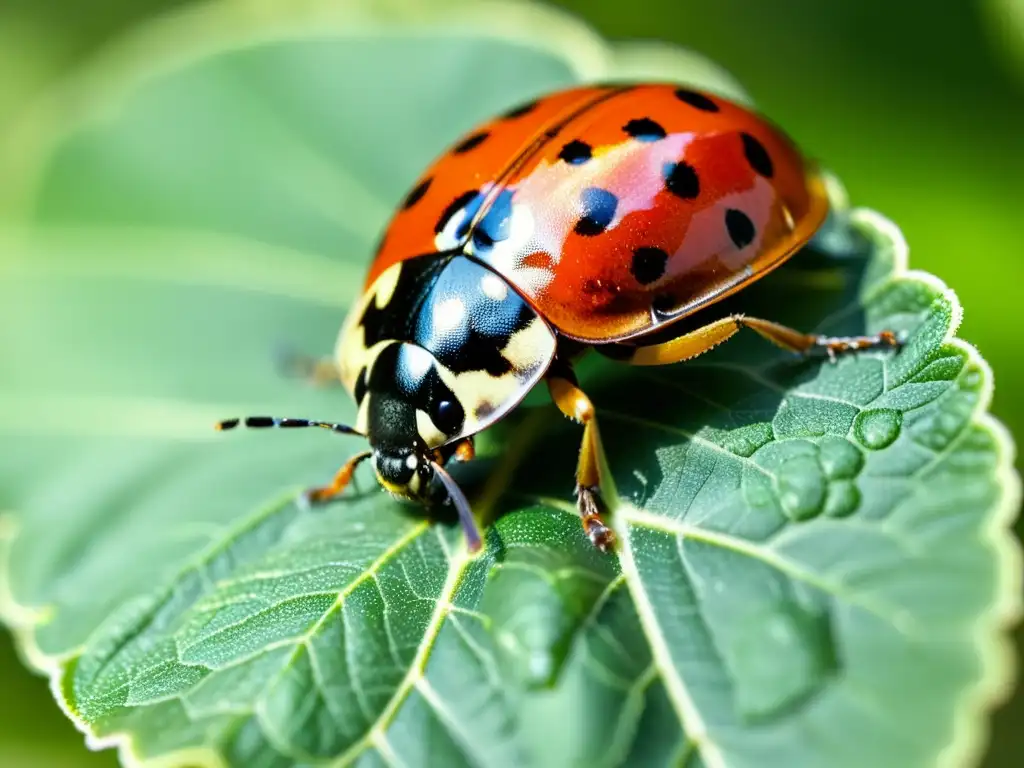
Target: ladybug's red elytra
column 588, row 219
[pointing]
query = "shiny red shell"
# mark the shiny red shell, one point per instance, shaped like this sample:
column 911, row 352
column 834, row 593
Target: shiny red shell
column 615, row 210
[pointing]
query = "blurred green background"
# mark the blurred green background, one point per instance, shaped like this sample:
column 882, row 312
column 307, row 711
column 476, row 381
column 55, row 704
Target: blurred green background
column 918, row 107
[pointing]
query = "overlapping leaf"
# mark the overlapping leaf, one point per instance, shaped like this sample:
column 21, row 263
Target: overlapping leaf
column 813, row 564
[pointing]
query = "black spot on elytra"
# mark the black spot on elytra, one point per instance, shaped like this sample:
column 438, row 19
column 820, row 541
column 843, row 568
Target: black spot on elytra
column 598, row 211
column 740, row 227
column 470, row 143
column 696, row 100
column 648, row 264
column 757, row 156
column 359, row 390
column 644, row 129
column 522, row 109
column 417, row 193
column 453, row 207
column 575, row 152
column 681, row 180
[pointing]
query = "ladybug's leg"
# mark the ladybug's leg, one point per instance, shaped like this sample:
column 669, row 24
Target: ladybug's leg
column 460, row 451
column 574, row 403
column 338, row 484
column 464, row 451
column 344, row 476
column 702, row 339
column 318, row 371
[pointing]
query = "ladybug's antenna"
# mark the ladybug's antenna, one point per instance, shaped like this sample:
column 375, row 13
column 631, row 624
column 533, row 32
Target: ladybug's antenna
column 461, row 506
column 260, row 422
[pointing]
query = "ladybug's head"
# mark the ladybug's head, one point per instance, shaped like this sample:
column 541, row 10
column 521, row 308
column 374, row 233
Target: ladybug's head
column 411, row 419
column 405, row 471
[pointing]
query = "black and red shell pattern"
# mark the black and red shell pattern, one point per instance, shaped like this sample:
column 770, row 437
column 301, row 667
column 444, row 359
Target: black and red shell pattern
column 615, row 210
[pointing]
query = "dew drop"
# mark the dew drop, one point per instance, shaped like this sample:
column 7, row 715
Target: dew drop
column 840, row 459
column 877, row 429
column 843, row 498
column 802, row 487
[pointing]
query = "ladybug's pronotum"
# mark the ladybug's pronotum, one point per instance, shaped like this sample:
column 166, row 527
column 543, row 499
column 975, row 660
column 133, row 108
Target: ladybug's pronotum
column 587, row 219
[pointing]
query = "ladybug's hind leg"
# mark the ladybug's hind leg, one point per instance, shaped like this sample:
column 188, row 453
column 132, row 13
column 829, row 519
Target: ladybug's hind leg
column 317, row 371
column 575, row 404
column 699, row 341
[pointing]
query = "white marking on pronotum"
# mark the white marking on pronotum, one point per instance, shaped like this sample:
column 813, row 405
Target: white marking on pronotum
column 494, row 287
column 449, row 314
column 415, row 360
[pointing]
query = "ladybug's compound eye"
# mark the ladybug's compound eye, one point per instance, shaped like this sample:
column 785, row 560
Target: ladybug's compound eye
column 448, row 416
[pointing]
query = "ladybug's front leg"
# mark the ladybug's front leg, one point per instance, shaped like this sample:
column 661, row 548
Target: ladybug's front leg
column 575, row 404
column 341, row 481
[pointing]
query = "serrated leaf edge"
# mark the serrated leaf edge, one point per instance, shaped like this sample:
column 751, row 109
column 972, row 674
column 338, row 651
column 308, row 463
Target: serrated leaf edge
column 994, row 646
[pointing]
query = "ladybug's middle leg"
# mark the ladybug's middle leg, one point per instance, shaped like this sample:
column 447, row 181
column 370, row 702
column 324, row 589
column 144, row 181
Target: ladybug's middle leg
column 575, row 404
column 702, row 339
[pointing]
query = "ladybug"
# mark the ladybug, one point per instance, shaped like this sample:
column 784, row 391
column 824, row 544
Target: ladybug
column 591, row 218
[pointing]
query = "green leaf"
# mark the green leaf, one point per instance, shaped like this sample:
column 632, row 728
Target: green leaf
column 1004, row 22
column 815, row 567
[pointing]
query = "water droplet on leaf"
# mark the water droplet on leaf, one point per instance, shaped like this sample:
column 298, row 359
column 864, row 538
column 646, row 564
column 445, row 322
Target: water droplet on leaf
column 839, row 458
column 843, row 499
column 877, row 429
column 801, row 487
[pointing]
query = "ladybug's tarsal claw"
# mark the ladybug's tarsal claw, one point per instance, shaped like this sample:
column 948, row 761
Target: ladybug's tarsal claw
column 600, row 535
column 602, row 538
column 835, row 346
column 891, row 339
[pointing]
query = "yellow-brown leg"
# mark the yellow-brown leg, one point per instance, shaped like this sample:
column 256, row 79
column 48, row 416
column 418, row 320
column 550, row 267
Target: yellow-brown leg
column 463, row 450
column 574, row 403
column 338, row 484
column 701, row 340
